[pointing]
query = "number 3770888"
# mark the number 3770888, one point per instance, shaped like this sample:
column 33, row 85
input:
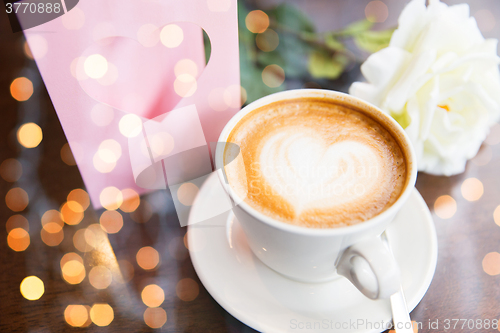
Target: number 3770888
column 469, row 324
column 33, row 7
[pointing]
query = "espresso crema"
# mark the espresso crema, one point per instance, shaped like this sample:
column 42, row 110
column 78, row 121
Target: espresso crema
column 315, row 163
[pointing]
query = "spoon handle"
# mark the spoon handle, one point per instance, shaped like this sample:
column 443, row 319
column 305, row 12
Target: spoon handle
column 400, row 314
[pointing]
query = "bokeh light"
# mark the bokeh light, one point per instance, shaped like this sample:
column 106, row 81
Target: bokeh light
column 111, row 221
column 17, row 199
column 216, row 99
column 17, row 221
column 18, row 239
column 376, row 11
column 102, row 115
column 186, row 193
column 77, row 315
column 111, row 198
column 100, row 277
column 67, row 156
column 273, row 76
column 110, row 77
column 161, row 143
column 186, row 66
column 496, row 215
column 257, row 21
column 267, row 41
column 445, row 207
column 171, row 36
column 109, row 151
column 153, row 295
column 235, row 96
column 155, row 317
column 80, row 196
column 485, row 20
column 32, row 288
column 95, row 66
column 52, row 221
column 80, row 242
column 21, row 89
column 131, row 200
column 148, row 35
column 29, row 135
column 187, row 289
column 102, row 314
column 491, row 263
column 11, row 170
column 472, row 189
column 130, row 125
column 147, row 258
column 77, row 70
column 52, row 238
column 72, row 213
column 185, row 85
column 101, row 165
column 72, row 268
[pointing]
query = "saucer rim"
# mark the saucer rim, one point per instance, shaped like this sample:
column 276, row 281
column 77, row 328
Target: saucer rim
column 261, row 327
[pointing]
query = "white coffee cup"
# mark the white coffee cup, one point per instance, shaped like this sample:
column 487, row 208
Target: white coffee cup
column 319, row 255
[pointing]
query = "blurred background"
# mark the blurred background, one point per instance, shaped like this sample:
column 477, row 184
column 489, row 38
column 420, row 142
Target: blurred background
column 126, row 267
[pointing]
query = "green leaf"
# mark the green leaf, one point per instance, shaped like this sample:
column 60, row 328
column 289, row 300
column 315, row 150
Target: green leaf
column 291, row 18
column 333, row 43
column 321, row 65
column 373, row 41
column 356, row 28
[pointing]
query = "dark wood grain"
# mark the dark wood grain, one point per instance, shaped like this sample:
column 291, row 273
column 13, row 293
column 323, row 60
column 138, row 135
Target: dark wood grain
column 460, row 289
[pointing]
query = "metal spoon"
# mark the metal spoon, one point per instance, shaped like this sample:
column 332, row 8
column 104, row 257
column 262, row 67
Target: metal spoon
column 400, row 315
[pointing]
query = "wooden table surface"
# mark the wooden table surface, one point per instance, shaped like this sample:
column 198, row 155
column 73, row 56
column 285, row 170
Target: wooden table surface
column 465, row 285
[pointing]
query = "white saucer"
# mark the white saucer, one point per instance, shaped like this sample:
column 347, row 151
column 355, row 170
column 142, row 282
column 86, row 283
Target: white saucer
column 269, row 302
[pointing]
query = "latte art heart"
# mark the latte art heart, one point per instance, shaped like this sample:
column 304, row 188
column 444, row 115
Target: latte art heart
column 316, row 164
column 309, row 174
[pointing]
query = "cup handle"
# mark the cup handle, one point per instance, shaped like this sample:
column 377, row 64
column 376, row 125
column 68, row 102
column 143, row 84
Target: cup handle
column 371, row 267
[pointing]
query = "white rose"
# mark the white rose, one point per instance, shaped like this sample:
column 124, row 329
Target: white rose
column 439, row 79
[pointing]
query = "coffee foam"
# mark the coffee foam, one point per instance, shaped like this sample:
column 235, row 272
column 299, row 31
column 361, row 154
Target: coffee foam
column 314, row 163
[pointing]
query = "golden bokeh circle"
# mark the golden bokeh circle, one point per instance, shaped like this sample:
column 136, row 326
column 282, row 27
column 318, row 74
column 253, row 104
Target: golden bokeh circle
column 111, row 221
column 11, row 170
column 102, row 314
column 100, row 277
column 18, row 239
column 32, row 288
column 445, row 206
column 491, row 263
column 148, row 258
column 152, row 295
column 17, row 199
column 257, row 21
column 21, row 89
column 472, row 189
column 155, row 317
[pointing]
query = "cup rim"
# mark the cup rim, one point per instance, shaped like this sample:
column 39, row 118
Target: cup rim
column 339, row 96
